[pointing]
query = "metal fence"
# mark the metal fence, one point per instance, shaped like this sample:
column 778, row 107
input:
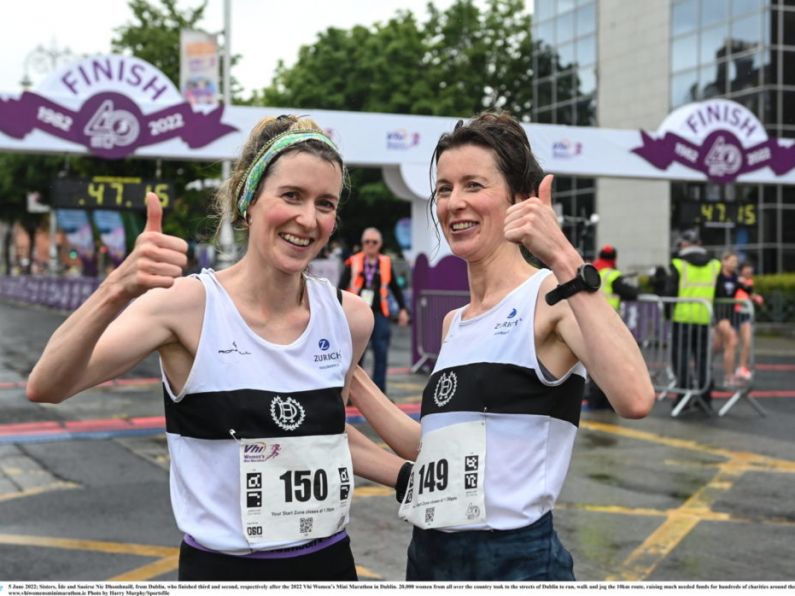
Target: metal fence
column 681, row 357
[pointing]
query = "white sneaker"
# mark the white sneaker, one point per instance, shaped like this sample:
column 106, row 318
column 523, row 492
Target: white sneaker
column 743, row 373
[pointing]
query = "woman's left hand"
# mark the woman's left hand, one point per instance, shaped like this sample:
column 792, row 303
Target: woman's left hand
column 534, row 224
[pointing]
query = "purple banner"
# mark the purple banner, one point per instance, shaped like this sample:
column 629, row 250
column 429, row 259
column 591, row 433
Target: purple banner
column 109, row 124
column 721, row 157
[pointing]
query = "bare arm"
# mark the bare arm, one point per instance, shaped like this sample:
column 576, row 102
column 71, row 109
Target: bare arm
column 598, row 337
column 585, row 323
column 96, row 343
column 369, row 460
column 395, row 427
column 398, row 430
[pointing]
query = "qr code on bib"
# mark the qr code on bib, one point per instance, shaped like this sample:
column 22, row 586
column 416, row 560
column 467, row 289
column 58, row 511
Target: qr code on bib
column 429, row 515
column 305, row 525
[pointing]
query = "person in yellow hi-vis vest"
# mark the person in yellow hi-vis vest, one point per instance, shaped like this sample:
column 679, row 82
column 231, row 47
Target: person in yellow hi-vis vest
column 693, row 275
column 615, row 287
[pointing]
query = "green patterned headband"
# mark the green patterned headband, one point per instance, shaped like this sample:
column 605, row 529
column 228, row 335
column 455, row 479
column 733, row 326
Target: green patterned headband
column 248, row 186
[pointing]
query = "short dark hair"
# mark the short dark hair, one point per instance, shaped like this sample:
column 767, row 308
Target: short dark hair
column 504, row 135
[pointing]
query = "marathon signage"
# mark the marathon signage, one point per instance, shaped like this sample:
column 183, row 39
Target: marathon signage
column 124, row 104
column 117, row 106
column 719, row 138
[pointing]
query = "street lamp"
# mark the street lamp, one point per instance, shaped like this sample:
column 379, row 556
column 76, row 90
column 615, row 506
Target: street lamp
column 43, row 60
column 226, row 236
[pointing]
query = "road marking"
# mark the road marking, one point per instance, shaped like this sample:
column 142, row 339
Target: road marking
column 99, row 546
column 373, row 491
column 365, row 572
column 150, row 571
column 38, row 490
column 679, row 522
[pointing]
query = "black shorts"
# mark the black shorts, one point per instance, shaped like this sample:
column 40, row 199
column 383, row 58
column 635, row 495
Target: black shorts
column 333, row 563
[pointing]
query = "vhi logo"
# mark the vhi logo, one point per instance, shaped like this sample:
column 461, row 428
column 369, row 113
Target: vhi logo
column 402, row 139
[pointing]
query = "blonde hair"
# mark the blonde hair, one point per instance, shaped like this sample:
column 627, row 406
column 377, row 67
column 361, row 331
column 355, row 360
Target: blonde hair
column 267, row 129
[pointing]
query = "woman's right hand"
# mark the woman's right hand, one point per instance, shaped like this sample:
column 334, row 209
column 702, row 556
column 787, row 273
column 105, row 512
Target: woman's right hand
column 155, row 262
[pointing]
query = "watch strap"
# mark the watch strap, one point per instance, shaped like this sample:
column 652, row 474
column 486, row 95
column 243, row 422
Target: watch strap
column 564, row 291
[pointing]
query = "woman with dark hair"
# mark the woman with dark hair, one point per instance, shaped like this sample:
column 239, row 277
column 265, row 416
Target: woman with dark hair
column 255, row 361
column 500, row 411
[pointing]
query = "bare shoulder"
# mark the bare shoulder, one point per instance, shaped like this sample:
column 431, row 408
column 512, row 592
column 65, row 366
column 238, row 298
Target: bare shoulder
column 182, row 303
column 359, row 315
column 448, row 319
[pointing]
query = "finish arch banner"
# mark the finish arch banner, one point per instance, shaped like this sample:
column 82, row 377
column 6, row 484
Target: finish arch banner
column 720, row 138
column 112, row 105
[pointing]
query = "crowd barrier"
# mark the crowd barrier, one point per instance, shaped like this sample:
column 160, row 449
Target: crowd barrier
column 681, row 357
column 63, row 293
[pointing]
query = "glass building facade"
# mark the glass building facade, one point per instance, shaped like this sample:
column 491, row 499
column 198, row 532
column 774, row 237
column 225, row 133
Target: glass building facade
column 564, row 89
column 743, row 50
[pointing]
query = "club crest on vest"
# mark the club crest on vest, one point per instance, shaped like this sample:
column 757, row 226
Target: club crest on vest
column 445, row 388
column 287, row 413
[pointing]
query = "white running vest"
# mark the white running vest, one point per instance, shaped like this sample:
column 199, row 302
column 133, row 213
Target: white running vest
column 235, row 376
column 488, row 371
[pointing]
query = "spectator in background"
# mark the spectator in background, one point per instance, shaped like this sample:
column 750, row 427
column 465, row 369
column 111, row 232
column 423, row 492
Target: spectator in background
column 693, row 275
column 370, row 275
column 745, row 291
column 615, row 287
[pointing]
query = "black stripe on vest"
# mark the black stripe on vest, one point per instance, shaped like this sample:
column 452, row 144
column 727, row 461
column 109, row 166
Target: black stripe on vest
column 212, row 414
column 501, row 389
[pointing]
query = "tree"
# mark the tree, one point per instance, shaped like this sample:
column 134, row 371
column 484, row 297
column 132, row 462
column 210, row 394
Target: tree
column 459, row 62
column 152, row 35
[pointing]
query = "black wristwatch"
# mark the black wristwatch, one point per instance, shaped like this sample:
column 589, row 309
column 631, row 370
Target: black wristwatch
column 587, row 280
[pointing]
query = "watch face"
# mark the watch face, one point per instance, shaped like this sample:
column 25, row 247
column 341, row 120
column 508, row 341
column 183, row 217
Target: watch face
column 590, row 276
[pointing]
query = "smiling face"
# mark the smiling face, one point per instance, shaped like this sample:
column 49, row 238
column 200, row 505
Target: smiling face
column 294, row 215
column 471, row 197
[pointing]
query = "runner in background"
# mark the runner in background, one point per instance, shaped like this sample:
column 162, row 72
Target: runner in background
column 745, row 291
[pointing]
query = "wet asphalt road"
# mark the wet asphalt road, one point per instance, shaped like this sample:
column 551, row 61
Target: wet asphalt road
column 691, row 499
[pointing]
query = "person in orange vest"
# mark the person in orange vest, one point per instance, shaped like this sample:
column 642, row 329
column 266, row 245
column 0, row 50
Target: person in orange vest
column 615, row 289
column 370, row 275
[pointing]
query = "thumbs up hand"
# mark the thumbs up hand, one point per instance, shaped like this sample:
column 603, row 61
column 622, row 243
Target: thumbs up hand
column 157, row 259
column 534, row 224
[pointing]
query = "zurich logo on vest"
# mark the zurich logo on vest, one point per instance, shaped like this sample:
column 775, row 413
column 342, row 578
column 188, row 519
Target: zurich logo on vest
column 325, row 355
column 510, row 322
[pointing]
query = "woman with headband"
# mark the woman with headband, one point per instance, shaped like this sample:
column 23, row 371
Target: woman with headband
column 255, row 360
